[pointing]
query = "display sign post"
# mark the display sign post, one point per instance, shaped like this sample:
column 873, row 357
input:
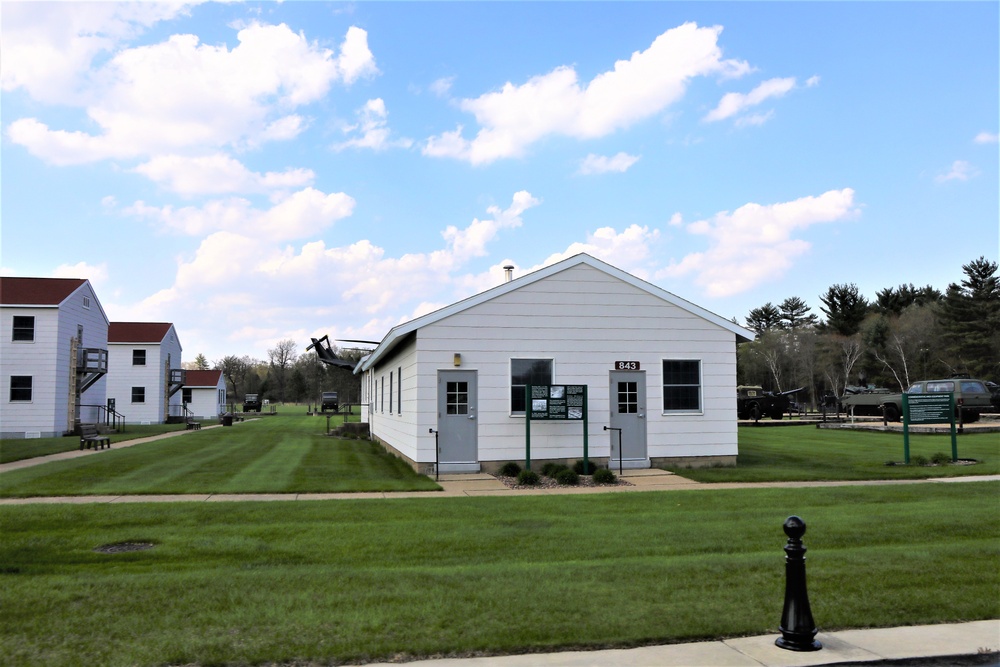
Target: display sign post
column 937, row 408
column 555, row 402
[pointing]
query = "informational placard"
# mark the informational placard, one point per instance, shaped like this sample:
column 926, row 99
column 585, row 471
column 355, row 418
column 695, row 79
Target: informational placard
column 557, row 401
column 930, row 408
column 937, row 408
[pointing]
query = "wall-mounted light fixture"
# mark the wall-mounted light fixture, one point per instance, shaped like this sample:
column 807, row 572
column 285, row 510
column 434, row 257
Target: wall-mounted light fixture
column 458, row 359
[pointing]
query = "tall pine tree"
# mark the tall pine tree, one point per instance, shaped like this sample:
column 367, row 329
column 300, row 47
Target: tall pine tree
column 970, row 317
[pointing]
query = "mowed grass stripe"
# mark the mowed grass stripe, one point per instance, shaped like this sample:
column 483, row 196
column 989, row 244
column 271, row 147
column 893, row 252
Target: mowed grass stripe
column 272, row 469
column 270, row 455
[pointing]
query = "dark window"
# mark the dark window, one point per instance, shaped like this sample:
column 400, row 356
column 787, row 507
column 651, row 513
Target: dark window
column 382, row 397
column 138, row 394
column 399, row 390
column 24, row 328
column 524, row 372
column 681, row 385
column 628, row 398
column 390, row 392
column 20, row 387
column 138, row 357
column 457, row 399
column 185, row 395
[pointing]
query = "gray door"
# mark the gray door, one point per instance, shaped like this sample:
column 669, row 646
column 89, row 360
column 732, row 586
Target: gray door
column 628, row 412
column 457, row 432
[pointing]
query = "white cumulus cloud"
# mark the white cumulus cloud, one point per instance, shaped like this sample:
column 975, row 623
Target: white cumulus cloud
column 756, row 243
column 372, row 129
column 298, row 215
column 732, row 104
column 602, row 164
column 218, row 174
column 180, row 94
column 960, row 171
column 516, row 116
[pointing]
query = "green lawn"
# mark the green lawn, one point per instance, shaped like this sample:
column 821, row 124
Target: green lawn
column 804, row 453
column 18, row 449
column 334, row 581
column 281, row 454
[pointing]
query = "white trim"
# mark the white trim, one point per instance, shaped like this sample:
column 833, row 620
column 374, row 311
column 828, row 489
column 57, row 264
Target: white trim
column 398, row 332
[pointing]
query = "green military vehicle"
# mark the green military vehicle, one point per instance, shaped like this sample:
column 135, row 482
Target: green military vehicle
column 752, row 402
column 864, row 401
column 972, row 398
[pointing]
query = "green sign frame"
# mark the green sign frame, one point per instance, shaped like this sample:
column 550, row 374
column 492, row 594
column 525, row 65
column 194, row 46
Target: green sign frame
column 555, row 402
column 935, row 408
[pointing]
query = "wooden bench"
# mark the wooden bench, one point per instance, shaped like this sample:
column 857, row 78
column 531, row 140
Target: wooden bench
column 90, row 437
column 193, row 425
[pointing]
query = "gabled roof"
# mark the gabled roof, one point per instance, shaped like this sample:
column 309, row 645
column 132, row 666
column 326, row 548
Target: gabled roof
column 202, row 378
column 138, row 332
column 399, row 332
column 37, row 291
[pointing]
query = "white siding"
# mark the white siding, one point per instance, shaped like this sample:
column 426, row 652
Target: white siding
column 123, row 375
column 208, row 402
column 585, row 320
column 47, row 360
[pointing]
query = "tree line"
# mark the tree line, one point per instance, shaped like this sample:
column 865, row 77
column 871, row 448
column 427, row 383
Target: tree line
column 905, row 334
column 286, row 376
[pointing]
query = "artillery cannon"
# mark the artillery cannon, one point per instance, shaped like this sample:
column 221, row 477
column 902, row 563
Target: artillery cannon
column 752, row 402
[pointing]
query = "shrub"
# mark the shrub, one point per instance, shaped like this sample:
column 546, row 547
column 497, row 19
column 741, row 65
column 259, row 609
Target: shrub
column 567, row 477
column 918, row 460
column 578, row 467
column 605, row 476
column 510, row 469
column 527, row 478
column 940, row 459
column 553, row 469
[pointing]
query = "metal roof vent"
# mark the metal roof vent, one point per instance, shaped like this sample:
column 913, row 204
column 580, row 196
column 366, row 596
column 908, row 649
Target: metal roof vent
column 508, row 273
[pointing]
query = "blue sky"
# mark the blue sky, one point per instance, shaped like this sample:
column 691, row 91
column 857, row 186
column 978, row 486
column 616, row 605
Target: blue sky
column 254, row 172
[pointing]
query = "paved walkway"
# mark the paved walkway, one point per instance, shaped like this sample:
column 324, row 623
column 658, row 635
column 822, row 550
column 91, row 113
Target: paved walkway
column 453, row 485
column 845, row 646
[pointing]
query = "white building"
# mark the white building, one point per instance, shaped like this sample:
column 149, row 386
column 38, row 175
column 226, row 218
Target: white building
column 659, row 371
column 144, row 371
column 204, row 394
column 53, row 350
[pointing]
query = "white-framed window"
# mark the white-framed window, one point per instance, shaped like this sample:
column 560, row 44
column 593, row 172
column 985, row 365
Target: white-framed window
column 138, row 357
column 20, row 387
column 138, row 394
column 399, row 390
column 682, row 385
column 524, row 372
column 390, row 392
column 23, row 329
column 382, row 398
column 86, row 302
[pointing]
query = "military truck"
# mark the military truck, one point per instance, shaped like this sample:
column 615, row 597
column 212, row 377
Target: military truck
column 972, row 398
column 752, row 402
column 329, row 402
column 252, row 403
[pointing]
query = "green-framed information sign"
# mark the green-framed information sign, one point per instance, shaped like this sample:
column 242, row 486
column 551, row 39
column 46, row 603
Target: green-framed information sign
column 936, row 408
column 555, row 402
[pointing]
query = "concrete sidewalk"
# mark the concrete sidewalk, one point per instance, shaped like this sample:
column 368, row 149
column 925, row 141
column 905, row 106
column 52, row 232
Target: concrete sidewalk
column 845, row 646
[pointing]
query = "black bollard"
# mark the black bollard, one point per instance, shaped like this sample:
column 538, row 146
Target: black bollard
column 798, row 631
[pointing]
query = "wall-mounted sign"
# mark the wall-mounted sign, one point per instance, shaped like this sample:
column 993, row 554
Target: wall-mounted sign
column 626, row 365
column 558, row 401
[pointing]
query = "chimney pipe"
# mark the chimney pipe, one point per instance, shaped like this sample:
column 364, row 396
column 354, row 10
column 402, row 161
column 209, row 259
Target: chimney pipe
column 508, row 273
